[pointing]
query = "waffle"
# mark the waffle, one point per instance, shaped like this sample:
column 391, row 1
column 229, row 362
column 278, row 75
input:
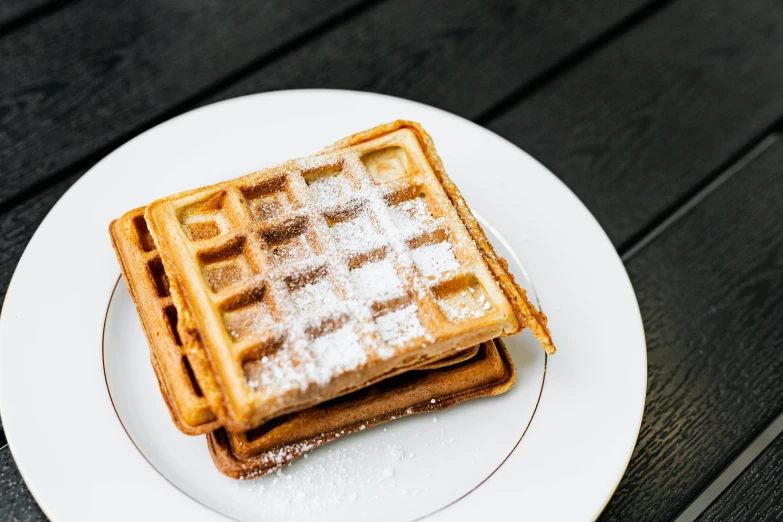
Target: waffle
column 153, row 296
column 368, row 141
column 265, row 263
column 149, row 287
column 276, row 444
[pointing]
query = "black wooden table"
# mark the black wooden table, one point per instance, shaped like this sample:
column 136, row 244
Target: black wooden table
column 662, row 116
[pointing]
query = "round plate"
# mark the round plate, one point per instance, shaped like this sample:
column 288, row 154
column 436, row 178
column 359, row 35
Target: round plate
column 91, row 435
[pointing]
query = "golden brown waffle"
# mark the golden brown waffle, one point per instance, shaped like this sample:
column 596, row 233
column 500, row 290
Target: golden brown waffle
column 178, row 377
column 264, row 264
column 149, row 288
column 368, row 140
column 278, row 443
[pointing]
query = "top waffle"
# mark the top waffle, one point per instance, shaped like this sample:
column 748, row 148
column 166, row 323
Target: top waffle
column 319, row 276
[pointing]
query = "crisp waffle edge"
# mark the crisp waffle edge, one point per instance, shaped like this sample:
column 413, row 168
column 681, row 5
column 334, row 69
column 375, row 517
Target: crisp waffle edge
column 526, row 312
column 231, row 465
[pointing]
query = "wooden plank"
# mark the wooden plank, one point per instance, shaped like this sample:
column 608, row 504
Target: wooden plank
column 651, row 117
column 73, row 82
column 12, row 11
column 709, row 289
column 463, row 57
column 134, row 68
column 757, row 494
column 17, row 504
column 526, row 40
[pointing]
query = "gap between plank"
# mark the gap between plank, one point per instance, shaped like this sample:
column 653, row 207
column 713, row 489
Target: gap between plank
column 557, row 69
column 32, row 15
column 741, row 160
column 689, row 201
column 732, row 471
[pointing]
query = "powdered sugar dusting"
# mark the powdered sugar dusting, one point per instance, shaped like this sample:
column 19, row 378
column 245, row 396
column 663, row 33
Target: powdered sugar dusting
column 456, row 312
column 376, row 281
column 466, row 304
column 337, row 352
column 313, row 298
column 292, row 250
column 338, row 479
column 434, row 260
column 400, row 326
column 327, row 189
column 358, row 234
column 411, row 217
column 250, row 320
column 346, row 220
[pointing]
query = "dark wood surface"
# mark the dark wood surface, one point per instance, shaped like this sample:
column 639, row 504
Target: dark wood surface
column 650, row 118
column 709, row 289
column 756, row 496
column 16, row 12
column 16, row 502
column 646, row 109
column 121, row 67
column 526, row 45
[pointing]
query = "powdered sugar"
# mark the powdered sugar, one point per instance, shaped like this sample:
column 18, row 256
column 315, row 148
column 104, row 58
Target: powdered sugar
column 345, row 477
column 337, row 352
column 377, row 281
column 456, row 312
column 467, row 304
column 294, row 249
column 434, row 260
column 358, row 234
column 400, row 326
column 313, row 298
column 347, row 219
column 411, row 217
column 396, row 452
column 327, row 189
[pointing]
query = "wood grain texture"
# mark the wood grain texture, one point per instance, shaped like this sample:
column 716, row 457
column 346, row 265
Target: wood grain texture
column 463, row 57
column 16, row 502
column 74, row 82
column 709, row 291
column 653, row 115
column 756, row 495
column 12, row 10
column 134, row 67
column 473, row 56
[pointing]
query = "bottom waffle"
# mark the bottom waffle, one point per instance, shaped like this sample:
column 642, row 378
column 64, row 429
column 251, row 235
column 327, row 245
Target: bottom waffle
column 275, row 444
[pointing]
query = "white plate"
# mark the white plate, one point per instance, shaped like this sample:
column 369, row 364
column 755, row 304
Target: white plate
column 92, row 437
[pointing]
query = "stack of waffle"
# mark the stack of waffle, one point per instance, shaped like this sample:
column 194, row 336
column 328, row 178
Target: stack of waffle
column 294, row 305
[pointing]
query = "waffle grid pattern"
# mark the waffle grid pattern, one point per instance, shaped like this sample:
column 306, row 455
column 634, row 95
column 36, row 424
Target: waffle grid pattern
column 266, row 241
column 145, row 275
